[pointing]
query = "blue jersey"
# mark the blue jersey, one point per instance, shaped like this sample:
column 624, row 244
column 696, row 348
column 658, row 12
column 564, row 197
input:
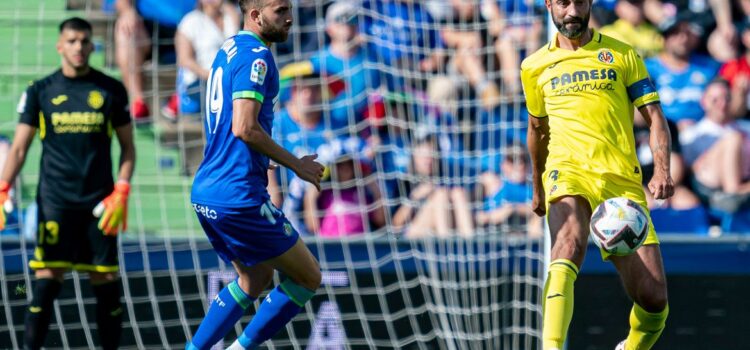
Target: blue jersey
column 232, row 175
column 680, row 92
column 352, row 100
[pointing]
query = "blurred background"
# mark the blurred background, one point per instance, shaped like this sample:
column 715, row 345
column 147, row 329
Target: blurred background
column 422, row 227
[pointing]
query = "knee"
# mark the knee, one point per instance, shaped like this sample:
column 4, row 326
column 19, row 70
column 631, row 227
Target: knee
column 103, row 277
column 255, row 283
column 568, row 246
column 311, row 280
column 654, row 298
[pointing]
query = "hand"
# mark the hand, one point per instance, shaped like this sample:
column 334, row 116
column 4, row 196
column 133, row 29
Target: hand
column 661, row 185
column 5, row 202
column 310, row 170
column 538, row 201
column 113, row 210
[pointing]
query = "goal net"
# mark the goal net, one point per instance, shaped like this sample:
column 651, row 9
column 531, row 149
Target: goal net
column 416, row 249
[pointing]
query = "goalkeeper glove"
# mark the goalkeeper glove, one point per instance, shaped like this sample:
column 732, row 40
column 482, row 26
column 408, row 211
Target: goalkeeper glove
column 113, row 210
column 7, row 204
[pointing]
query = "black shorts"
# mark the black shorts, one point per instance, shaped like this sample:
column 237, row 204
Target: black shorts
column 70, row 238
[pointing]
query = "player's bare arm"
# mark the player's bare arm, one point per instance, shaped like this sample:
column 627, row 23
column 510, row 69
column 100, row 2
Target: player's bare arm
column 538, row 140
column 22, row 139
column 127, row 149
column 245, row 126
column 661, row 184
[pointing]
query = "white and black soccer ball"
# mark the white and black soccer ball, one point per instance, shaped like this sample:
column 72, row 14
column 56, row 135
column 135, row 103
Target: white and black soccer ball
column 619, row 226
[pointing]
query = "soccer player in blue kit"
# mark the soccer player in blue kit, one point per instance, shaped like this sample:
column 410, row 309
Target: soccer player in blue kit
column 229, row 192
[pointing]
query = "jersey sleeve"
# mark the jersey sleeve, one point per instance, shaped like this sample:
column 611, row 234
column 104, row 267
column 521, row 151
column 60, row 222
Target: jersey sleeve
column 641, row 89
column 252, row 77
column 28, row 106
column 533, row 92
column 120, row 112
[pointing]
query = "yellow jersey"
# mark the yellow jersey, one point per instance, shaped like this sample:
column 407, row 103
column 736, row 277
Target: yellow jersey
column 588, row 96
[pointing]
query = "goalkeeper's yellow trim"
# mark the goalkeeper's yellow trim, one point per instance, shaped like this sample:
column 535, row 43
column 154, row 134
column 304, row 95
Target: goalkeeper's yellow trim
column 96, row 268
column 42, row 126
column 248, row 94
column 35, row 264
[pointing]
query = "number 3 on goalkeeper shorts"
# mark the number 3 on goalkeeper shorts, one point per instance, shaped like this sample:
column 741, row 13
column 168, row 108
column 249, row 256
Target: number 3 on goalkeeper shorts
column 214, row 99
column 269, row 211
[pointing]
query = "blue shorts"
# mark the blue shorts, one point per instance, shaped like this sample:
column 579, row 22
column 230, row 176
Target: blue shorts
column 251, row 235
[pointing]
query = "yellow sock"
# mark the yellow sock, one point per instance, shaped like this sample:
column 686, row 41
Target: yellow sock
column 645, row 328
column 557, row 304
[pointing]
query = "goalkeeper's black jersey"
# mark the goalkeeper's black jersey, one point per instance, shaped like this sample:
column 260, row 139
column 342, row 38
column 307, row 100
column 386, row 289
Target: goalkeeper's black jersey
column 75, row 118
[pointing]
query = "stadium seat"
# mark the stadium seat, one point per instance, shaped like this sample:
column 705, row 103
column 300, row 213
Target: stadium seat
column 690, row 221
column 738, row 222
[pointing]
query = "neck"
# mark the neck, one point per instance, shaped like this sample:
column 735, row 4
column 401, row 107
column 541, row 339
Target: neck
column 573, row 44
column 71, row 72
column 212, row 12
column 672, row 60
column 343, row 49
column 251, row 27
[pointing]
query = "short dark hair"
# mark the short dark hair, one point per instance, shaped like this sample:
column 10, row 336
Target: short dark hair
column 75, row 23
column 246, row 5
column 719, row 81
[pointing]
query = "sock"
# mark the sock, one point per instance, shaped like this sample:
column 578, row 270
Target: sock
column 558, row 303
column 39, row 313
column 225, row 310
column 280, row 306
column 108, row 313
column 645, row 328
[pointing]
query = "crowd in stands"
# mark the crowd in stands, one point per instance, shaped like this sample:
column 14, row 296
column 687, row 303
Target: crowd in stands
column 416, row 106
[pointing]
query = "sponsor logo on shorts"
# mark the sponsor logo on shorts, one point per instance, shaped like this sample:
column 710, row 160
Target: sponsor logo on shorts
column 553, row 175
column 553, row 189
column 207, row 212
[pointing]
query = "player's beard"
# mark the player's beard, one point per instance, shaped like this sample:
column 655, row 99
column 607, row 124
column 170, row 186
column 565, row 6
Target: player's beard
column 273, row 33
column 583, row 25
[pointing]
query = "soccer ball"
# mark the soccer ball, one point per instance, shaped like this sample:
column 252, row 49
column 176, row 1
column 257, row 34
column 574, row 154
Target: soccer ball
column 619, row 226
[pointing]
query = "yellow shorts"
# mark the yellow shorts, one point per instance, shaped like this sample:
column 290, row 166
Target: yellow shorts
column 596, row 188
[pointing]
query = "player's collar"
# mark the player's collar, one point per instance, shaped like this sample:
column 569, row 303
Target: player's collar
column 256, row 36
column 595, row 37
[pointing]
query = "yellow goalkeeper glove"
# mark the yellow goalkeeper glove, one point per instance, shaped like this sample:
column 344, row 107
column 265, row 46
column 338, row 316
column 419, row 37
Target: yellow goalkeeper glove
column 5, row 202
column 113, row 210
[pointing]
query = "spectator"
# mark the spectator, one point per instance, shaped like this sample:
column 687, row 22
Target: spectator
column 133, row 41
column 717, row 149
column 632, row 28
column 507, row 198
column 344, row 206
column 683, row 197
column 707, row 15
column 465, row 32
column 402, row 33
column 431, row 208
column 680, row 76
column 517, row 31
column 298, row 127
column 342, row 62
column 199, row 37
column 737, row 73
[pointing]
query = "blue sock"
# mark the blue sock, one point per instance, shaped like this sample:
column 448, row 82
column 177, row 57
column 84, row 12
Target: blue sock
column 280, row 306
column 224, row 312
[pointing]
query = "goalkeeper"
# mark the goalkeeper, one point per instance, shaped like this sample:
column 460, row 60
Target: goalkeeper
column 75, row 110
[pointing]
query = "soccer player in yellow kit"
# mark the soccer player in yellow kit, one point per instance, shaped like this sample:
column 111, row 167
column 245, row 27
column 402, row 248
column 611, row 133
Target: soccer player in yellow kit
column 580, row 92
